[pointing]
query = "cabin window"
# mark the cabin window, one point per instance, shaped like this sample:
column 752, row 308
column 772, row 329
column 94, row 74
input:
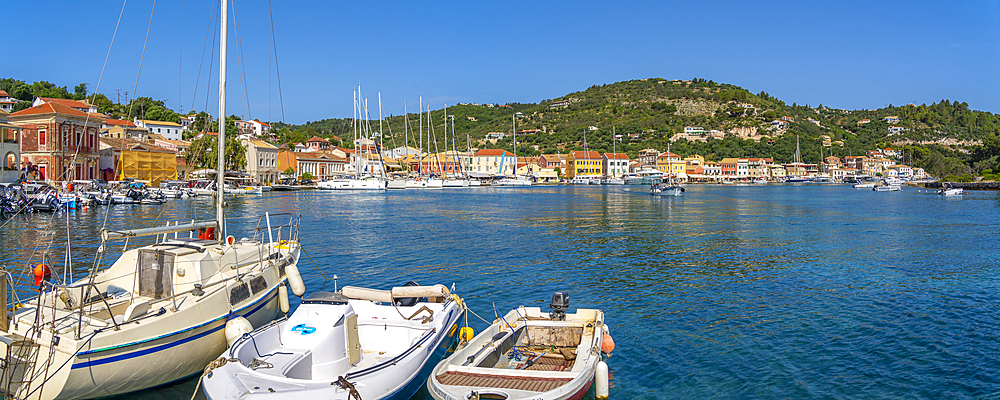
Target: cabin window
column 238, row 294
column 156, row 268
column 258, row 284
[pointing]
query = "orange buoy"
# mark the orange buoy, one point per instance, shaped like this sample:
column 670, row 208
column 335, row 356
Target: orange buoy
column 607, row 343
column 42, row 273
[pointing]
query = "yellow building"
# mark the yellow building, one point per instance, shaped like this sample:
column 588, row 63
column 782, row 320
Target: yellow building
column 584, row 163
column 670, row 164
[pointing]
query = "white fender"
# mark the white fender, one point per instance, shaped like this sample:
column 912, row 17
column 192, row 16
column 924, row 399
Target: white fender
column 235, row 328
column 295, row 280
column 601, row 381
column 283, row 298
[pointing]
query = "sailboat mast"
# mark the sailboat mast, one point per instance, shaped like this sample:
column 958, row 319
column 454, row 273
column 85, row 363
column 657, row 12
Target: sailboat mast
column 513, row 127
column 221, row 165
column 446, row 137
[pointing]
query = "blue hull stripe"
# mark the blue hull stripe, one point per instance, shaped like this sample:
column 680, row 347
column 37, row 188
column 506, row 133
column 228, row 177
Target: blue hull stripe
column 154, row 349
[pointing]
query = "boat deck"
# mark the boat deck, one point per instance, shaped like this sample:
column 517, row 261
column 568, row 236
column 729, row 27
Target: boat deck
column 534, row 384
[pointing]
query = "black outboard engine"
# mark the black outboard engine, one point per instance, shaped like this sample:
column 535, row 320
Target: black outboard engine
column 560, row 303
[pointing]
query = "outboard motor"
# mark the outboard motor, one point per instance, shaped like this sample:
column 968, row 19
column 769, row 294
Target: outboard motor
column 560, row 303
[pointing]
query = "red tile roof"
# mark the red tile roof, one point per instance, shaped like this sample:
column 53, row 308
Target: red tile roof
column 586, row 155
column 491, row 152
column 52, row 108
column 616, row 156
column 119, row 122
column 317, row 139
column 66, row 102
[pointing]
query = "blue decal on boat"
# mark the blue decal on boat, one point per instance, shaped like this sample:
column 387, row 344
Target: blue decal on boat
column 304, row 329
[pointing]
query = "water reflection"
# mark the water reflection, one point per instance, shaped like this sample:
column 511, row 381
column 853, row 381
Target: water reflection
column 750, row 292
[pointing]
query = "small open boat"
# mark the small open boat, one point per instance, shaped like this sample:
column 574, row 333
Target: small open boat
column 377, row 344
column 529, row 354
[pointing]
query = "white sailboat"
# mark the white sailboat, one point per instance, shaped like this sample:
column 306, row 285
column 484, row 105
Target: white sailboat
column 361, row 180
column 515, row 180
column 159, row 313
column 457, row 179
column 424, row 181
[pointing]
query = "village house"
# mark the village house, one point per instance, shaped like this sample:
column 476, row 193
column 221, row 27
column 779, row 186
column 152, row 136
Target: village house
column 10, row 150
column 584, row 163
column 493, row 162
column 81, row 105
column 615, row 164
column 648, row 156
column 553, row 161
column 315, row 144
column 262, row 161
column 318, row 165
column 253, row 128
column 892, row 119
column 670, row 164
column 169, row 130
column 58, row 140
column 400, row 151
column 6, row 102
column 124, row 129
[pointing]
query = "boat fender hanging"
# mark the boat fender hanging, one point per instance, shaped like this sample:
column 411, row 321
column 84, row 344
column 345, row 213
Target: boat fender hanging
column 42, row 273
column 601, row 378
column 295, row 280
column 235, row 328
column 466, row 334
column 607, row 343
column 283, row 298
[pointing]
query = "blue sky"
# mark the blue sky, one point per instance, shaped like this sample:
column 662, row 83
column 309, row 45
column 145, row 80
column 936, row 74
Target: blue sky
column 840, row 54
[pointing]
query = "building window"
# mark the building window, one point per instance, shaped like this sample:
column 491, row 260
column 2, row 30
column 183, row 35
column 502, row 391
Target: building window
column 41, row 138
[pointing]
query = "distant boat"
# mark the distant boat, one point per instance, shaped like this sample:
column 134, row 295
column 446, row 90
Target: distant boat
column 887, row 188
column 864, row 185
column 613, row 181
column 667, row 188
column 950, row 190
column 580, row 180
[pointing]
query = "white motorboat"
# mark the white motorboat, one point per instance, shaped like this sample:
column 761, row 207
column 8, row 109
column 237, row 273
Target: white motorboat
column 424, row 183
column 475, row 182
column 158, row 314
column 668, row 187
column 396, row 184
column 514, row 181
column 887, row 188
column 950, row 190
column 579, row 180
column 612, row 181
column 528, row 354
column 864, row 185
column 760, row 181
column 455, row 183
column 352, row 184
column 377, row 344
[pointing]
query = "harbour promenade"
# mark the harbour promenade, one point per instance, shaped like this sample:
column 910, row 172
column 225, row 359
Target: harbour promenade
column 756, row 291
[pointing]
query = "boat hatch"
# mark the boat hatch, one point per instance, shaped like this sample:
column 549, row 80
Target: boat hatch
column 156, row 270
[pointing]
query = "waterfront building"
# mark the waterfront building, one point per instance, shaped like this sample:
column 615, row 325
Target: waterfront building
column 759, row 167
column 169, row 130
column 319, row 165
column 584, row 163
column 553, row 161
column 10, row 150
column 669, row 163
column 58, row 140
column 262, row 161
column 439, row 162
column 125, row 158
column 728, row 167
column 493, row 162
column 6, row 102
column 615, row 164
column 648, row 156
column 713, row 170
column 899, row 171
column 778, row 172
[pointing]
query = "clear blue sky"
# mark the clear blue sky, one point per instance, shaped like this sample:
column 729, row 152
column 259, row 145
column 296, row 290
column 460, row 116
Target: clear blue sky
column 840, row 54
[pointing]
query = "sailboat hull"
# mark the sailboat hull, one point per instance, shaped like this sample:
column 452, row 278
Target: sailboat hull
column 352, row 184
column 424, row 184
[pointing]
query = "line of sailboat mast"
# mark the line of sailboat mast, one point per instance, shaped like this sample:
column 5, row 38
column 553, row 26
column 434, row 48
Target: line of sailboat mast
column 221, row 166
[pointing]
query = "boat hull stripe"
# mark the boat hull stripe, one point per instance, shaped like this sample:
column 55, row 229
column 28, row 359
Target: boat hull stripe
column 154, row 349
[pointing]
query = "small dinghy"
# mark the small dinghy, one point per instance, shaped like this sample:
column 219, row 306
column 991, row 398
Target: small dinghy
column 529, row 354
column 376, row 344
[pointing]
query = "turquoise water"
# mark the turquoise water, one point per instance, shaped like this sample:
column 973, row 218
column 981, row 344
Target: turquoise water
column 726, row 292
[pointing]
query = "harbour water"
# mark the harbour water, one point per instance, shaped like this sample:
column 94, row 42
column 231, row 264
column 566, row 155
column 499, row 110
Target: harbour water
column 767, row 291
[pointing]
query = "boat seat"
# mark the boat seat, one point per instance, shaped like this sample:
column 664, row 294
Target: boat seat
column 138, row 308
